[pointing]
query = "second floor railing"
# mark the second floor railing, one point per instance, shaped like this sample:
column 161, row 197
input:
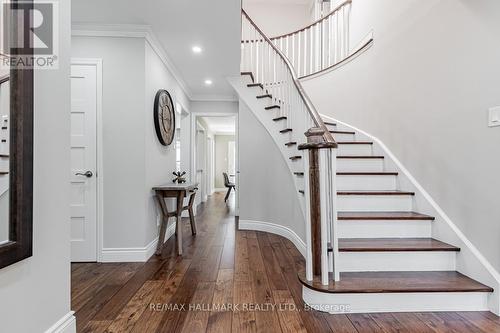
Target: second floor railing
column 320, row 45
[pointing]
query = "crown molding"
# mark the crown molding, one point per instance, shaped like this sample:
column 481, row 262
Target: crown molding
column 132, row 31
column 214, row 98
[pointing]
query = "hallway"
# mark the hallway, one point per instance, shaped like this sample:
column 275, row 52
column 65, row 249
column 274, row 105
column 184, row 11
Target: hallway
column 252, row 273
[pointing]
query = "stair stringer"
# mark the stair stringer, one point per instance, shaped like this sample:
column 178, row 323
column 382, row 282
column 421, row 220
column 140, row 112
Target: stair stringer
column 469, row 260
column 248, row 96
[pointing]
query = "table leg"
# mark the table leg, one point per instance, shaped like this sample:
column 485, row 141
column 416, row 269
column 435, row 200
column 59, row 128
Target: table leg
column 191, row 213
column 178, row 227
column 164, row 222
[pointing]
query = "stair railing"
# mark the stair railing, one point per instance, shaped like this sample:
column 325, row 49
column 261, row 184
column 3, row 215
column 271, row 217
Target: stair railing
column 4, row 148
column 273, row 71
column 320, row 45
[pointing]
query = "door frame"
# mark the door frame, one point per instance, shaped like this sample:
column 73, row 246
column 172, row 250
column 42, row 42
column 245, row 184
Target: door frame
column 97, row 63
column 194, row 116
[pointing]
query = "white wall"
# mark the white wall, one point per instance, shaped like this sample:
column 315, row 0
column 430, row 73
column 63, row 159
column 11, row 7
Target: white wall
column 133, row 159
column 123, row 135
column 159, row 160
column 214, row 107
column 266, row 187
column 35, row 293
column 424, row 89
column 276, row 19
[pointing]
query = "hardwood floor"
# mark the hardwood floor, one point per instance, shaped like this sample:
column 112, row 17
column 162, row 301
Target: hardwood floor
column 252, row 273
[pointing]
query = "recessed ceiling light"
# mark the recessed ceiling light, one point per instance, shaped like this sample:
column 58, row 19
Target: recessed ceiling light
column 208, row 82
column 196, row 49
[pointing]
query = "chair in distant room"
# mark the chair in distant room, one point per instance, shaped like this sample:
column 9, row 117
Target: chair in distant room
column 230, row 186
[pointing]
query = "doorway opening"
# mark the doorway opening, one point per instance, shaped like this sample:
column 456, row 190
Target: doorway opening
column 215, row 154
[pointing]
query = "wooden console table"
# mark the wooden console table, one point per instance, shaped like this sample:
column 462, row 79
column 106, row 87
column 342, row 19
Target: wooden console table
column 178, row 191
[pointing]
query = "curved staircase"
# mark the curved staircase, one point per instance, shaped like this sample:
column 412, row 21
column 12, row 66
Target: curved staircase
column 381, row 254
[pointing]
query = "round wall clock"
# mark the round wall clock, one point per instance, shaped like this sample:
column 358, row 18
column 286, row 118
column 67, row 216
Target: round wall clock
column 164, row 117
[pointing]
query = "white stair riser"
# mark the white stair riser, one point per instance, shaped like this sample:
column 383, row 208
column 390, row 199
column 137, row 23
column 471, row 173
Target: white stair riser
column 343, row 137
column 363, row 182
column 359, row 164
column 378, row 203
column 361, row 149
column 384, row 229
column 397, row 261
column 395, row 302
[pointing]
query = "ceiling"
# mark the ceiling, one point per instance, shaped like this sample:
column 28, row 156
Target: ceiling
column 221, row 125
column 179, row 25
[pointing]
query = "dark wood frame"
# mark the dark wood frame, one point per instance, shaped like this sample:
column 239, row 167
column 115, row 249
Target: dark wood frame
column 157, row 121
column 20, row 245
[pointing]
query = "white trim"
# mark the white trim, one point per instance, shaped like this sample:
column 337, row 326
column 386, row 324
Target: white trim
column 132, row 31
column 134, row 254
column 395, row 302
column 213, row 98
column 97, row 62
column 194, row 122
column 275, row 229
column 146, row 32
column 66, row 324
column 471, row 268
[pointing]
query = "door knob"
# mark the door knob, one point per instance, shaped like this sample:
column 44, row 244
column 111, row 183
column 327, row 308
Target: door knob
column 87, row 174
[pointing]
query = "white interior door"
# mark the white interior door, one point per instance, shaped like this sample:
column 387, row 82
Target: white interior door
column 83, row 163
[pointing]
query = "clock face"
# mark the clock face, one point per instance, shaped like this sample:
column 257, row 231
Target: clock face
column 164, row 117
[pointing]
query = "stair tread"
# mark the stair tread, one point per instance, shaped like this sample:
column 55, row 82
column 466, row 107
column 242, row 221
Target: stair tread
column 383, row 216
column 290, row 143
column 3, row 173
column 248, row 73
column 298, row 173
column 367, row 173
column 4, row 155
column 286, row 130
column 375, row 193
column 342, row 132
column 393, row 244
column 329, row 123
column 295, row 157
column 255, row 85
column 265, row 96
column 398, row 282
column 360, row 156
column 279, row 118
column 272, row 107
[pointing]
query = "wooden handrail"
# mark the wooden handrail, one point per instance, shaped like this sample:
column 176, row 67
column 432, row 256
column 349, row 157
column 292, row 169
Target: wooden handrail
column 318, row 121
column 4, row 79
column 337, row 64
column 315, row 22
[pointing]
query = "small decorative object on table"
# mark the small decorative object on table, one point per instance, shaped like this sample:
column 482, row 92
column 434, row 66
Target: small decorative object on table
column 179, row 177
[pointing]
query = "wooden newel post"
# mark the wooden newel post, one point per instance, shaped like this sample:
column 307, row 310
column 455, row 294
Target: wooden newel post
column 315, row 142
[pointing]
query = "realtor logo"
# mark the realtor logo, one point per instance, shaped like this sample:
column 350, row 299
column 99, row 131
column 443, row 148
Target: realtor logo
column 29, row 39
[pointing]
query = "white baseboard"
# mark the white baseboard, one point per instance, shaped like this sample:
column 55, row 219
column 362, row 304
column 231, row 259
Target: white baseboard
column 135, row 254
column 275, row 229
column 66, row 324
